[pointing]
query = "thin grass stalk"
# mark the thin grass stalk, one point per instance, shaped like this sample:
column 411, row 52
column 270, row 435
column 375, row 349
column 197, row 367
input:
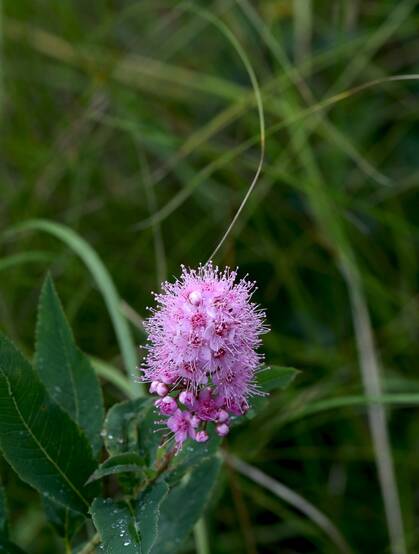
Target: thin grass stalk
column 370, row 371
column 159, row 250
column 201, row 537
column 302, row 18
column 290, row 497
column 2, row 92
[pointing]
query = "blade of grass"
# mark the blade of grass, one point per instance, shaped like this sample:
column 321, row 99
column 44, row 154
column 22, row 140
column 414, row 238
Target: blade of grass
column 2, row 92
column 201, row 537
column 232, row 154
column 296, row 77
column 302, row 17
column 370, row 371
column 258, row 98
column 395, row 399
column 159, row 250
column 292, row 498
column 23, row 257
column 113, row 375
column 103, row 280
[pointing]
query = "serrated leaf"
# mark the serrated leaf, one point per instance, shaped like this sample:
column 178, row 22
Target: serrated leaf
column 276, row 377
column 184, row 506
column 149, row 436
column 129, row 527
column 64, row 370
column 120, row 463
column 39, row 440
column 120, row 429
column 130, row 426
column 65, row 522
column 192, row 454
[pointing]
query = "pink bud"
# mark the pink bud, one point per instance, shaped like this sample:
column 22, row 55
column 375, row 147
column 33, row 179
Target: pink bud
column 162, row 389
column 187, row 398
column 223, row 429
column 195, row 421
column 195, row 297
column 153, row 387
column 166, row 405
column 222, row 416
column 201, row 436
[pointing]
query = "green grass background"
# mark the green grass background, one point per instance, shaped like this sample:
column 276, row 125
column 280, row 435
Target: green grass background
column 135, row 125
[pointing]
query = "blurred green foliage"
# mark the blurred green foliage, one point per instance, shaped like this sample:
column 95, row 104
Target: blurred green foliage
column 134, row 123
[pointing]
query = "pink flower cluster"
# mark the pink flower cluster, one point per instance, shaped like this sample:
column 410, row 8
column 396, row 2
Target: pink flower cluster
column 202, row 358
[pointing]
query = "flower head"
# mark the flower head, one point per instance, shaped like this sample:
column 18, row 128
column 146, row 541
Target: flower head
column 202, row 350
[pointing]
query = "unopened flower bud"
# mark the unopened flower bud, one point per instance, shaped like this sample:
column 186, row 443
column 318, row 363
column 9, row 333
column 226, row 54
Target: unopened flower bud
column 153, row 387
column 195, row 421
column 201, row 436
column 166, row 405
column 162, row 389
column 222, row 416
column 195, row 297
column 187, row 398
column 223, row 429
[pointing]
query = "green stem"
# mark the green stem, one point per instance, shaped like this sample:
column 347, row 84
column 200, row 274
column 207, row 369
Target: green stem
column 91, row 545
column 201, row 537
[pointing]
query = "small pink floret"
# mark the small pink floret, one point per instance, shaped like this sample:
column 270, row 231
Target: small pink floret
column 166, row 405
column 153, row 387
column 195, row 297
column 162, row 389
column 187, row 398
column 201, row 436
column 222, row 416
column 223, row 429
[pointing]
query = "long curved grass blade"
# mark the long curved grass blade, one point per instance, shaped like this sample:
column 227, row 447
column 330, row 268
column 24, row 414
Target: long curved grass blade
column 352, row 401
column 22, row 258
column 230, row 155
column 258, row 97
column 113, row 375
column 103, row 280
column 370, row 371
column 291, row 497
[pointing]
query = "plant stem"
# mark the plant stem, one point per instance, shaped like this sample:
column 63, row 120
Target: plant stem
column 91, row 545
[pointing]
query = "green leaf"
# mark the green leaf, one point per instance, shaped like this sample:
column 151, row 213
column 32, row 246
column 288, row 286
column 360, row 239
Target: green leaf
column 129, row 527
column 184, row 506
column 104, row 282
column 39, row 440
column 65, row 522
column 120, row 429
column 65, row 371
column 121, row 463
column 131, row 426
column 276, row 377
column 192, row 454
column 149, row 437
